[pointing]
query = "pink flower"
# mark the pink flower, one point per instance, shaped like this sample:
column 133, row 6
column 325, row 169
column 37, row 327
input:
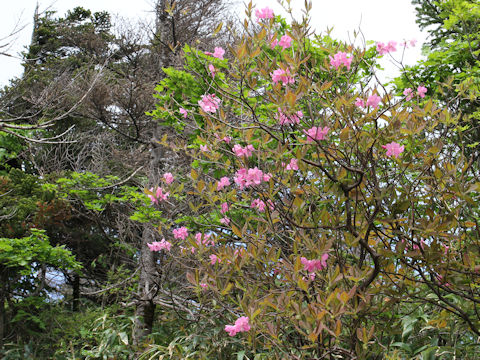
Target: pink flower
column 158, row 196
column 383, row 49
column 168, row 177
column 227, row 139
column 225, row 221
column 203, row 285
column 373, row 100
column 270, row 204
column 393, row 149
column 359, row 102
column 231, row 329
column 212, row 70
column 314, row 265
column 413, row 42
column 160, row 245
column 246, row 151
column 250, row 177
column 224, row 208
column 265, row 13
column 224, row 181
column 203, row 239
column 288, row 119
column 285, row 42
column 204, row 148
column 209, row 103
column 241, row 325
column 293, row 165
column 180, row 233
column 214, row 259
column 315, row 133
column 218, row 53
column 340, row 59
column 183, row 112
column 421, row 91
column 282, row 75
column 408, row 92
column 258, row 204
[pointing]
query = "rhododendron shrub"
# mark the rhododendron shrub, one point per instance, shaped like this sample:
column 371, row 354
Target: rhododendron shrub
column 319, row 226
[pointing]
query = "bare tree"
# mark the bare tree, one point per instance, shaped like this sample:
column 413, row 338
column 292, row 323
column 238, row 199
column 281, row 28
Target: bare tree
column 177, row 23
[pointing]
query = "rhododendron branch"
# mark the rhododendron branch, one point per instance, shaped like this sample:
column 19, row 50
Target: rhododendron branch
column 375, row 257
column 330, row 176
column 451, row 304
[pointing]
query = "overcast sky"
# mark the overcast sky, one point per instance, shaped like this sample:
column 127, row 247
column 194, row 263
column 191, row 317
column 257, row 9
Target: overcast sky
column 379, row 20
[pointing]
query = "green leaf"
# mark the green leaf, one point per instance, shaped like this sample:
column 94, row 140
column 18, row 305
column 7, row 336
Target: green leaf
column 241, row 355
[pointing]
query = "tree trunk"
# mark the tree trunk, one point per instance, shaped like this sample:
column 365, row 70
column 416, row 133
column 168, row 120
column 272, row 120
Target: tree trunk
column 76, row 292
column 147, row 288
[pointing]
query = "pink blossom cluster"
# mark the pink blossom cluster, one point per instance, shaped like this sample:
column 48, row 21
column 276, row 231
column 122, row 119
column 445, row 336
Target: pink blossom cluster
column 225, row 220
column 383, row 49
column 218, row 53
column 359, row 102
column 204, row 148
column 285, row 42
column 284, row 119
column 260, row 205
column 160, row 245
column 373, row 101
column 203, row 239
column 209, row 103
column 226, row 139
column 214, row 259
column 224, row 208
column 249, row 177
column 180, row 233
column 316, row 133
column 393, row 149
column 340, row 59
column 265, row 13
column 314, row 265
column 159, row 195
column 292, row 165
column 241, row 325
column 183, row 112
column 421, row 91
column 168, row 177
column 282, row 75
column 408, row 92
column 243, row 151
column 212, row 70
column 223, row 182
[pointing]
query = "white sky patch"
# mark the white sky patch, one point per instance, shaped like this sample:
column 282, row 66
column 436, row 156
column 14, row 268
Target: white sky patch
column 379, row 20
